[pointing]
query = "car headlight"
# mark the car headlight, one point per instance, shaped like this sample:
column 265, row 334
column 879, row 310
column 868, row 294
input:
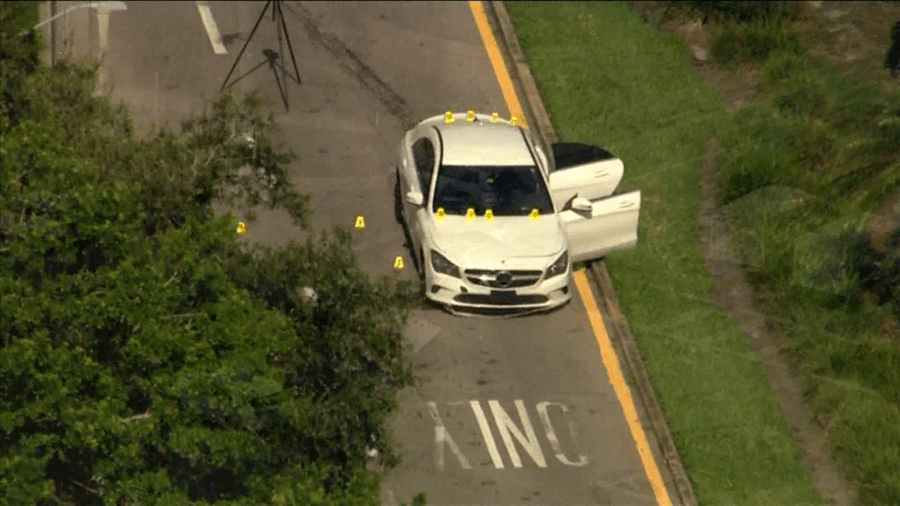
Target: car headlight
column 559, row 266
column 444, row 266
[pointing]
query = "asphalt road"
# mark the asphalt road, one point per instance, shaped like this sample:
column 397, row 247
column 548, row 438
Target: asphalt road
column 510, row 412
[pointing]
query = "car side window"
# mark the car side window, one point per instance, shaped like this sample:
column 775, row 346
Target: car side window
column 423, row 153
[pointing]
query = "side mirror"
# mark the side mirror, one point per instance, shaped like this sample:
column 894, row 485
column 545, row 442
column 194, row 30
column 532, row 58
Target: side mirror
column 582, row 205
column 415, row 198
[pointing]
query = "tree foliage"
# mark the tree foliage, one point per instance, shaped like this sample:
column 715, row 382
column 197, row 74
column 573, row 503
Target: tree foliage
column 148, row 356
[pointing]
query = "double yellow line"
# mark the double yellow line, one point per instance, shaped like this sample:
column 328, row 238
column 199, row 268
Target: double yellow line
column 607, row 352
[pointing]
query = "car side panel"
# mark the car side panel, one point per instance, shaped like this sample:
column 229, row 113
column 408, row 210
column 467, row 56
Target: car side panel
column 409, row 181
column 612, row 225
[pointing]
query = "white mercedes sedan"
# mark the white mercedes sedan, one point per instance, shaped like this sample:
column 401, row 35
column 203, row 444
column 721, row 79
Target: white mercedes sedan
column 493, row 228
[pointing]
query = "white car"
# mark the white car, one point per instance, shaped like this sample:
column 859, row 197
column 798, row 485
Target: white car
column 491, row 227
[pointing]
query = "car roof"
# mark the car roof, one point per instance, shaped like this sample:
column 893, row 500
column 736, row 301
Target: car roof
column 481, row 142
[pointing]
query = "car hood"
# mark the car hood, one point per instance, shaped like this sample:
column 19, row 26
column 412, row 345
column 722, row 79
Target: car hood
column 505, row 242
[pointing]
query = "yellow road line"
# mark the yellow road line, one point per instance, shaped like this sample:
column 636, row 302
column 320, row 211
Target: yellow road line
column 493, row 51
column 607, row 352
column 611, row 362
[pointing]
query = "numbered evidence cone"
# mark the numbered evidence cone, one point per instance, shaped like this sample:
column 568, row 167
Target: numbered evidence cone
column 241, row 227
column 360, row 222
column 398, row 262
column 470, row 214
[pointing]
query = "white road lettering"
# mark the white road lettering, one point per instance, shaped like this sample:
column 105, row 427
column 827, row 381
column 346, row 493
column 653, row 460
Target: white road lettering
column 211, row 28
column 551, row 434
column 486, row 432
column 511, row 432
column 508, row 429
column 441, row 438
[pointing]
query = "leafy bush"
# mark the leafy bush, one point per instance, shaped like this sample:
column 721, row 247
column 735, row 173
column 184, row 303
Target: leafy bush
column 19, row 56
column 146, row 356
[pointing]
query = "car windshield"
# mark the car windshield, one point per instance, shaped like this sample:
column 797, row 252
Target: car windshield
column 506, row 191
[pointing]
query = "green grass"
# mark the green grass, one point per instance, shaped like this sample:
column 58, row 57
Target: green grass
column 609, row 79
column 734, row 43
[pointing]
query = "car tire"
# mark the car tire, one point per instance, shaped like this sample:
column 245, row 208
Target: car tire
column 398, row 201
column 420, row 263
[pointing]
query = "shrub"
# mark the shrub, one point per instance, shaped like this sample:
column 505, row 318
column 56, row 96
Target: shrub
column 146, row 355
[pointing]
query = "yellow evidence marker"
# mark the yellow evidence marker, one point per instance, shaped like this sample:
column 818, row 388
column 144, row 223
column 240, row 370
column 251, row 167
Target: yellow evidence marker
column 489, row 215
column 241, row 227
column 360, row 222
column 440, row 214
column 533, row 216
column 398, row 262
column 470, row 214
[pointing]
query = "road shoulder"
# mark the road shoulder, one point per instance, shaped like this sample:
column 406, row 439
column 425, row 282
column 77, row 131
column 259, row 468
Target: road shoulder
column 617, row 325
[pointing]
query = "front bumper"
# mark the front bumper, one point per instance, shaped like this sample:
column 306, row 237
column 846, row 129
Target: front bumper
column 462, row 296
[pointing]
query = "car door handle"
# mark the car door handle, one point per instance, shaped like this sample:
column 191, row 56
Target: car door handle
column 600, row 175
column 625, row 204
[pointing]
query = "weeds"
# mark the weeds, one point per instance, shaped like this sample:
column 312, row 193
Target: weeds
column 735, row 43
column 833, row 140
column 656, row 114
column 742, row 11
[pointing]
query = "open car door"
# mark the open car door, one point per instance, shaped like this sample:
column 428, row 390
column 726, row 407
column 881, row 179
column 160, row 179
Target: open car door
column 589, row 171
column 612, row 225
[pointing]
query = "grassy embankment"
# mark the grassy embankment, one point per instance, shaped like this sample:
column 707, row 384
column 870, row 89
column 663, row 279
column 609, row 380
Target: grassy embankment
column 811, row 177
column 608, row 78
column 805, row 174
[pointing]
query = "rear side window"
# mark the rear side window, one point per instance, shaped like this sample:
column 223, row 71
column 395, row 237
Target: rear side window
column 423, row 153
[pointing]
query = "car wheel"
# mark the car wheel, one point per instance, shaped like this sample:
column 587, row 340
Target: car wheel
column 420, row 264
column 398, row 201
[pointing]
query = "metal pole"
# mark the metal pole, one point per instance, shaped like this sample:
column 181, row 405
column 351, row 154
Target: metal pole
column 288, row 38
column 247, row 43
